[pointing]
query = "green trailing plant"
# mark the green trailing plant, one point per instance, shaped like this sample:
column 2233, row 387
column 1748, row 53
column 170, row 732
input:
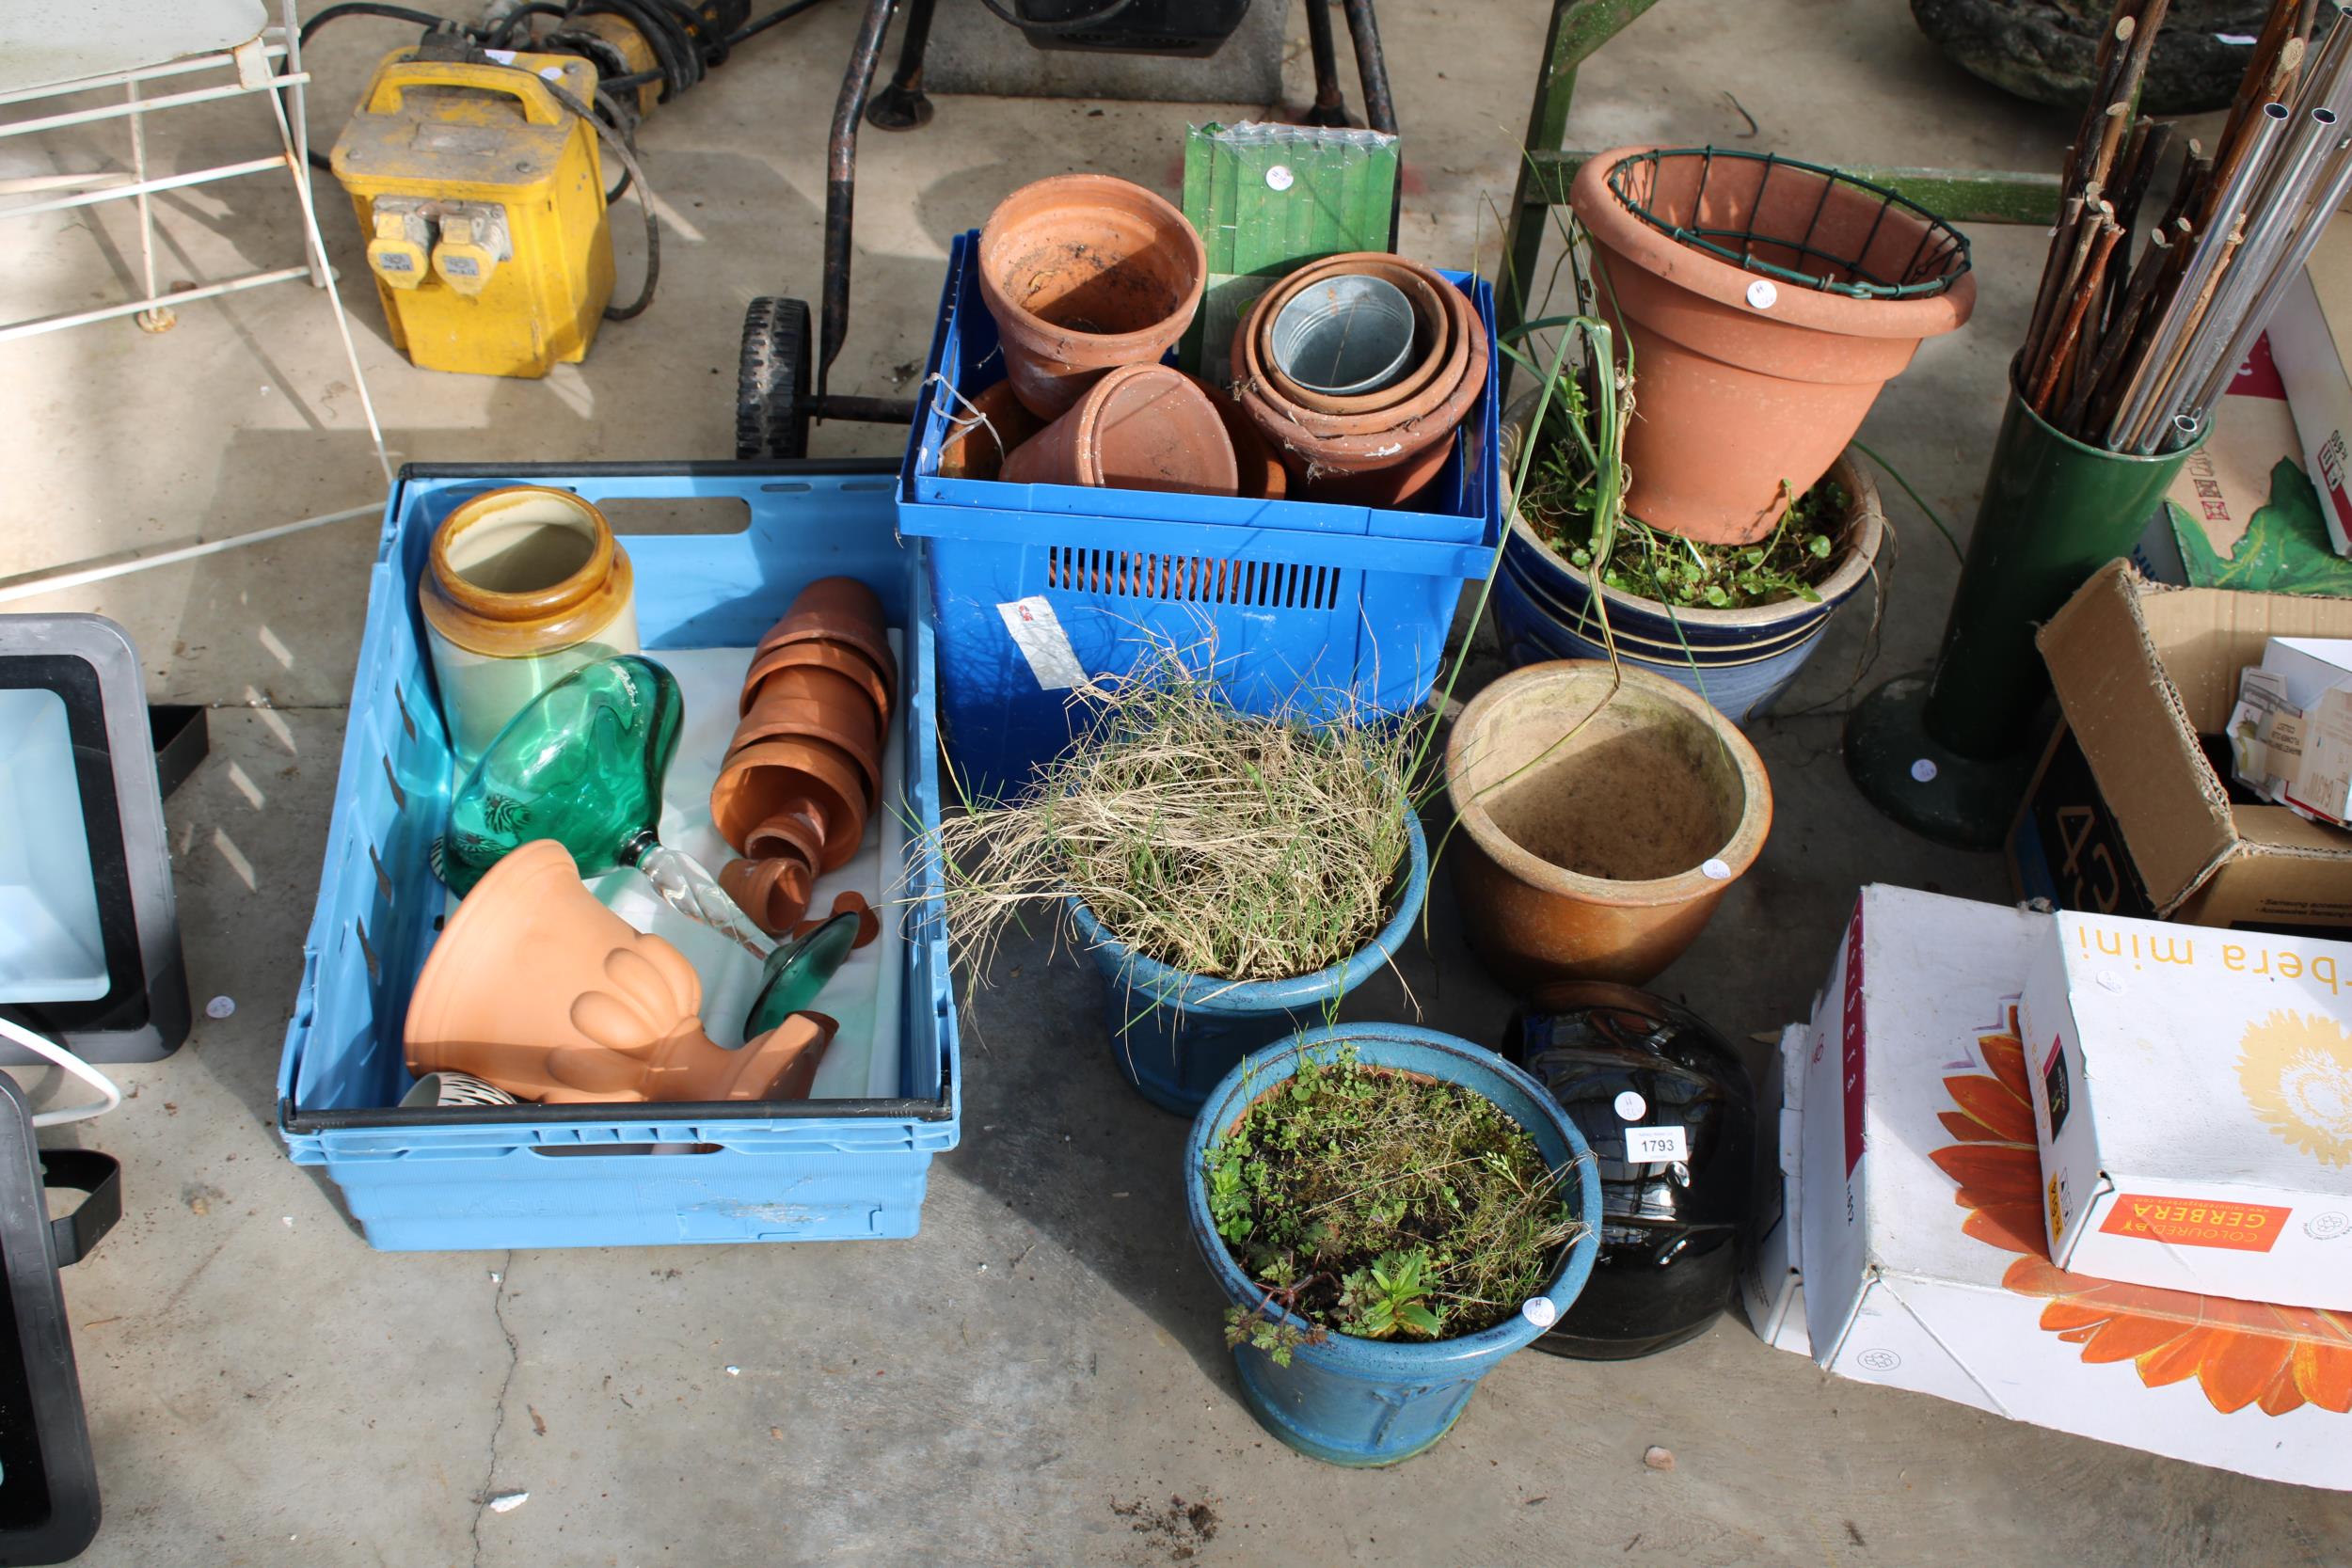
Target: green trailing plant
column 1220, row 842
column 1381, row 1205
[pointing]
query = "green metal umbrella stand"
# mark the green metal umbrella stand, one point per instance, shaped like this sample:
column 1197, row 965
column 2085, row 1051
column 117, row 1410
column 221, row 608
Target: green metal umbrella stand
column 1948, row 755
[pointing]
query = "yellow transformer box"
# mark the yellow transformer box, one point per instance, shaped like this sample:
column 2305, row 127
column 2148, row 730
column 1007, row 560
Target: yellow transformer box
column 482, row 198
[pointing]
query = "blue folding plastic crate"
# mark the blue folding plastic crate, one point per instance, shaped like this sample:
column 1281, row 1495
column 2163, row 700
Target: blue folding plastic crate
column 1294, row 604
column 583, row 1175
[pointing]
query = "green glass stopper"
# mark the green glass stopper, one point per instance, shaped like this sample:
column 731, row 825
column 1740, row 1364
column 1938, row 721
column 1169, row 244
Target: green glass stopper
column 797, row 970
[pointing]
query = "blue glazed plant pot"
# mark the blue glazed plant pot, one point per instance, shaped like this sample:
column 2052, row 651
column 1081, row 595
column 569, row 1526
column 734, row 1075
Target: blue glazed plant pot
column 1363, row 1403
column 1740, row 660
column 1174, row 1034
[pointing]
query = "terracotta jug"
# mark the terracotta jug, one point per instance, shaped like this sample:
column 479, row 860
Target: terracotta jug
column 538, row 988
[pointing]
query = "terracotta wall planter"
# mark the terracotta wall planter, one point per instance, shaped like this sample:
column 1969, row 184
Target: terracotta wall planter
column 1600, row 856
column 1141, row 427
column 538, row 988
column 1743, row 381
column 1085, row 272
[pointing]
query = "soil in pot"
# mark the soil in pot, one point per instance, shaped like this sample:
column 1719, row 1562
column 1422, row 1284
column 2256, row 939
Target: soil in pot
column 1382, row 1205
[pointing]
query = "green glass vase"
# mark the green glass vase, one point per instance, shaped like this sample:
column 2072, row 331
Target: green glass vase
column 582, row 765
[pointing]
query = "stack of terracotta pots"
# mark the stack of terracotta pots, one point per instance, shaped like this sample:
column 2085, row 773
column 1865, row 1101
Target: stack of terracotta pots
column 1379, row 447
column 1092, row 281
column 804, row 768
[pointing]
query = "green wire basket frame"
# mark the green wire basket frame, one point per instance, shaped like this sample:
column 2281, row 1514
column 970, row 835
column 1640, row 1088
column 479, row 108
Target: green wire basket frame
column 1941, row 256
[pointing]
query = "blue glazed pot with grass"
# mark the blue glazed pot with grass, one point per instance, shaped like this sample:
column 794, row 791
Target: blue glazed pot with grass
column 1363, row 1403
column 1174, row 1034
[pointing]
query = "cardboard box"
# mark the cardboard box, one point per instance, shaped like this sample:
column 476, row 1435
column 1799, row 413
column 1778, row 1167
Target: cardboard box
column 2311, row 334
column 2192, row 1095
column 2291, row 733
column 2243, row 514
column 1924, row 1259
column 2141, row 671
column 2066, row 846
column 1771, row 1291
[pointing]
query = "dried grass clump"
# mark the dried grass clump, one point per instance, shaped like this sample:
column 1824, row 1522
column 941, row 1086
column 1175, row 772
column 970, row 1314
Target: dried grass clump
column 1220, row 842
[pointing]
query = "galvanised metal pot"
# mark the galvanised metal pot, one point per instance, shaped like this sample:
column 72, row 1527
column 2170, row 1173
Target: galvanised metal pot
column 1175, row 1034
column 1363, row 1403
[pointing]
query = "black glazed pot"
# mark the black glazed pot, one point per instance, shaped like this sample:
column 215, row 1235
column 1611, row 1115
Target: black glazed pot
column 1670, row 1113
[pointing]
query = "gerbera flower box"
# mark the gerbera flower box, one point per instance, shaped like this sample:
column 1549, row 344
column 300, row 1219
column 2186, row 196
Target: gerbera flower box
column 1925, row 1259
column 2192, row 1100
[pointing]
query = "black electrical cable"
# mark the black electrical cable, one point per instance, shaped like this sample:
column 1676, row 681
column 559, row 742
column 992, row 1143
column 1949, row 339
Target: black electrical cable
column 783, row 14
column 390, row 13
column 1068, row 24
column 523, row 13
column 645, row 203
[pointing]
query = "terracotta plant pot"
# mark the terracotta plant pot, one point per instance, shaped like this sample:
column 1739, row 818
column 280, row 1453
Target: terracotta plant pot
column 1436, row 341
column 780, row 715
column 1412, row 401
column 835, row 658
column 1259, row 474
column 1396, row 486
column 1600, row 829
column 1743, row 382
column 975, row 450
column 773, row 892
column 775, row 778
column 1085, row 272
column 1315, row 444
column 841, row 612
column 538, row 988
column 1141, row 427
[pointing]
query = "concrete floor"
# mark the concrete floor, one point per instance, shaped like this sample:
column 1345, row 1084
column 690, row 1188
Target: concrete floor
column 263, row 1389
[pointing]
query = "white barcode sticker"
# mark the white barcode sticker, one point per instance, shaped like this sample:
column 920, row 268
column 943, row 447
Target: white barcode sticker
column 1654, row 1145
column 1037, row 632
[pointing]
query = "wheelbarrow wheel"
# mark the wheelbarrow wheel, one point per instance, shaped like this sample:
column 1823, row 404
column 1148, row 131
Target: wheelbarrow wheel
column 772, row 402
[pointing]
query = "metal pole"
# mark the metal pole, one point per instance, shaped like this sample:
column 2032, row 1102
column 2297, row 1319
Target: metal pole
column 902, row 104
column 298, row 113
column 2146, row 391
column 156, row 318
column 1330, row 109
column 841, row 188
column 1380, row 110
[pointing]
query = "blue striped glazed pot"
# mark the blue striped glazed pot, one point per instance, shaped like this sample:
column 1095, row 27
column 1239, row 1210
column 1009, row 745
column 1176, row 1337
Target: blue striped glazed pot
column 1175, row 1034
column 1738, row 660
column 1363, row 1403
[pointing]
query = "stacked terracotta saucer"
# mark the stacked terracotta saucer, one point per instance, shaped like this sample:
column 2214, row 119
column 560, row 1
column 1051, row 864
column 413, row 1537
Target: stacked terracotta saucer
column 1373, row 436
column 804, row 768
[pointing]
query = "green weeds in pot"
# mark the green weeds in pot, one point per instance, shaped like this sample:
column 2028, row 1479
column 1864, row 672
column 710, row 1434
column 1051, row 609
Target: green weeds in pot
column 1559, row 500
column 1218, row 843
column 1383, row 1206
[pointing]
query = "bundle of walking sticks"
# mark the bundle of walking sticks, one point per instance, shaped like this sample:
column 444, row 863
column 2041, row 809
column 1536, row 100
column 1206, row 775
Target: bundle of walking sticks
column 2130, row 354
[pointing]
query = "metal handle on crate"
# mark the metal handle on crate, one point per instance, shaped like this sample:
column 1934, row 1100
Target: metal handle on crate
column 72, row 1236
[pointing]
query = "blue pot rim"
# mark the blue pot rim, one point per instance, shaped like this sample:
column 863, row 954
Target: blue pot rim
column 1169, row 986
column 1707, row 654
column 1261, row 1069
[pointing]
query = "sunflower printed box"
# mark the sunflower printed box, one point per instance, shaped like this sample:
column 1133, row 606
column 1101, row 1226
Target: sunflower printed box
column 2192, row 1101
column 1924, row 1257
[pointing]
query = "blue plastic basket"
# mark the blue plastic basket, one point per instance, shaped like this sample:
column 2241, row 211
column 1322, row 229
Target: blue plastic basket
column 580, row 1175
column 1289, row 604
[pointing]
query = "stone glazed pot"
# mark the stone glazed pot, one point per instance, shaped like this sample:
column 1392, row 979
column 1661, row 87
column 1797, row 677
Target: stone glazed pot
column 1363, row 1403
column 1601, row 828
column 1085, row 272
column 1141, row 427
column 1743, row 382
column 524, row 585
column 538, row 988
column 1174, row 1034
column 1740, row 660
